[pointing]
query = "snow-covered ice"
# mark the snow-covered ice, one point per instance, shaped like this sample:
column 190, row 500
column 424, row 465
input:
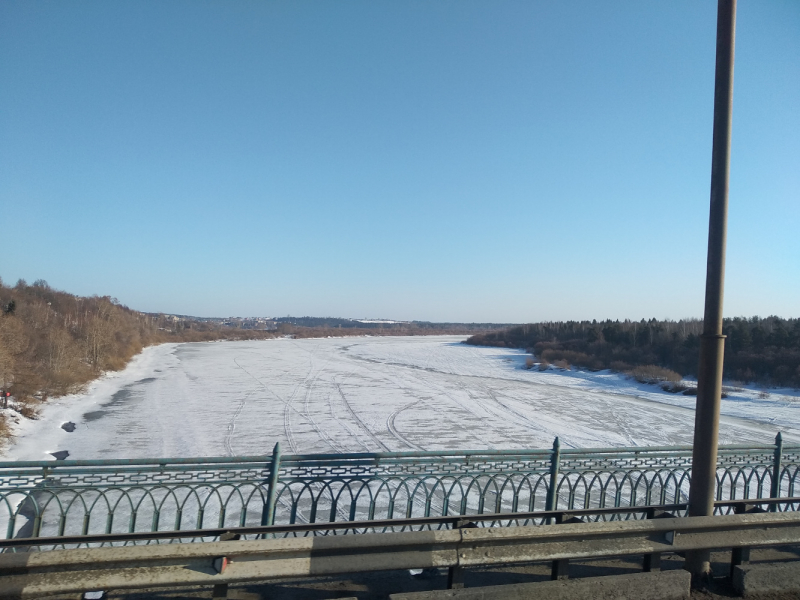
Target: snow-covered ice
column 371, row 394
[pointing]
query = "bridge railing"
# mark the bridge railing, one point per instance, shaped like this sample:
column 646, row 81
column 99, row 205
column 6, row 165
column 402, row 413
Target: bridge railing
column 63, row 498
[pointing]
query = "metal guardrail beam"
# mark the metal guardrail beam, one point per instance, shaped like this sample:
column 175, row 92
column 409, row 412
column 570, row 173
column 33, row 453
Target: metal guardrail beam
column 34, row 574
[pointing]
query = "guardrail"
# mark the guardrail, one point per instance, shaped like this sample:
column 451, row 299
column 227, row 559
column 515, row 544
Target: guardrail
column 33, row 574
column 64, row 498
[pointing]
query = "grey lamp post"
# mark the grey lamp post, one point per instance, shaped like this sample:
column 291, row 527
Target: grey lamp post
column 712, row 342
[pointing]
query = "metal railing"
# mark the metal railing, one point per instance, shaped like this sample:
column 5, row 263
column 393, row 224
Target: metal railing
column 68, row 498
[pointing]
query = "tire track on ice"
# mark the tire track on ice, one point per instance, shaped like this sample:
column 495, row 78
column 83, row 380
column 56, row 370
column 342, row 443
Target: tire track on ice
column 323, row 435
column 375, row 368
column 621, row 427
column 288, row 404
column 288, row 409
column 340, row 511
column 352, row 433
column 290, row 438
column 437, row 502
column 332, row 409
column 309, row 382
column 443, row 391
column 501, row 407
column 232, row 424
column 358, row 421
column 422, row 374
column 390, row 425
column 286, row 431
column 570, row 392
column 390, row 421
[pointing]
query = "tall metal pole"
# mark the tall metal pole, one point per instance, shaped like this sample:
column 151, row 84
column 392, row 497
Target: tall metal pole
column 712, row 342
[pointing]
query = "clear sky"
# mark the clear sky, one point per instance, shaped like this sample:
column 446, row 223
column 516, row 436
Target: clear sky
column 455, row 160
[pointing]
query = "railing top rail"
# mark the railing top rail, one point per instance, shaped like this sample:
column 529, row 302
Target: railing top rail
column 368, row 458
column 121, row 462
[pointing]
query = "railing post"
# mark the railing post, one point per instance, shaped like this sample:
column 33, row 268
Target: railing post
column 652, row 562
column 775, row 487
column 455, row 574
column 555, row 459
column 741, row 555
column 268, row 516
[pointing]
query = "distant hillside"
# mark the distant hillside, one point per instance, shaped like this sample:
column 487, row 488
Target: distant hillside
column 412, row 327
column 53, row 342
column 763, row 351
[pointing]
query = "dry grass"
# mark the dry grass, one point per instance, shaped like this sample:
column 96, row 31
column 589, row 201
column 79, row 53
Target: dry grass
column 653, row 374
column 28, row 408
column 5, row 431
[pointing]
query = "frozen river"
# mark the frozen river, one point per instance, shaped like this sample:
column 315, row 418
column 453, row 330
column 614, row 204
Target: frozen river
column 369, row 394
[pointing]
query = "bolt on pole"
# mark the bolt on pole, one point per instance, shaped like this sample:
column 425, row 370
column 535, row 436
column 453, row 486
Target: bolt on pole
column 712, row 342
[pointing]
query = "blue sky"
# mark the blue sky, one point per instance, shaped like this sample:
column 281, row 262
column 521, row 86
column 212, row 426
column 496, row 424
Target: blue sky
column 452, row 160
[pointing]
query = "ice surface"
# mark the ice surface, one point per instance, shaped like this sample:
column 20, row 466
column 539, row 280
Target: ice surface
column 370, row 394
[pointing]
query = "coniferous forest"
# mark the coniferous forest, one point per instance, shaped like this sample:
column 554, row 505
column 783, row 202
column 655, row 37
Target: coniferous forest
column 762, row 351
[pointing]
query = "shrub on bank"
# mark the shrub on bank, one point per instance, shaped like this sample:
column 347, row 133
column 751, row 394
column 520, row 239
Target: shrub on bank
column 653, row 374
column 579, row 359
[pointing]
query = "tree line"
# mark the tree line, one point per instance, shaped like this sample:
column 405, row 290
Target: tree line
column 385, row 327
column 764, row 351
